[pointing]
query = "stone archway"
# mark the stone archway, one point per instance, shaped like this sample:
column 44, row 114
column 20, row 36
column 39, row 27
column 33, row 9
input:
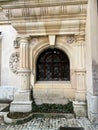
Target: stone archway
column 42, row 44
column 62, row 92
column 50, row 91
column 58, row 92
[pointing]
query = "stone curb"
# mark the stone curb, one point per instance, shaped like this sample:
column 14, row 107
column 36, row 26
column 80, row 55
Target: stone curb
column 8, row 120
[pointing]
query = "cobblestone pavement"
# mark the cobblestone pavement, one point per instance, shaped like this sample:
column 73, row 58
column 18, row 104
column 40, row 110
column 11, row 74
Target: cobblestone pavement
column 49, row 124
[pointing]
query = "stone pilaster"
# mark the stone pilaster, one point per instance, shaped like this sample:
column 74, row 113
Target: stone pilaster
column 22, row 102
column 24, row 71
column 80, row 85
column 80, row 76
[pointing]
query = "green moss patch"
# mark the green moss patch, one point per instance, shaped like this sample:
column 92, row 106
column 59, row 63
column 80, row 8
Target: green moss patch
column 53, row 108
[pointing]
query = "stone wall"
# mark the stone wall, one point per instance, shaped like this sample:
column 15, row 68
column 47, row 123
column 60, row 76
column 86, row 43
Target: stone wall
column 8, row 36
column 92, row 60
column 54, row 25
column 53, row 92
column 7, row 93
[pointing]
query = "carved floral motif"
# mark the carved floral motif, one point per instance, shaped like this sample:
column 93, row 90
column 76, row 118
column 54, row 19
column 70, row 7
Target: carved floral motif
column 70, row 39
column 14, row 62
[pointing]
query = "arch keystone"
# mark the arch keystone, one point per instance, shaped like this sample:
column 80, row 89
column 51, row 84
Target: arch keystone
column 52, row 40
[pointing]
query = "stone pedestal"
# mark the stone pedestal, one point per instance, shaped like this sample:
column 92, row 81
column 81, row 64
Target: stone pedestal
column 22, row 102
column 80, row 108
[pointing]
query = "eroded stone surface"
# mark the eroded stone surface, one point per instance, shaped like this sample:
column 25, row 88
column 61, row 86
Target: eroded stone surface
column 6, row 93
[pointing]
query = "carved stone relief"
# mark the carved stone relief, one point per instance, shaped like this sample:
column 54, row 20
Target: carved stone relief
column 14, row 62
column 34, row 41
column 70, row 39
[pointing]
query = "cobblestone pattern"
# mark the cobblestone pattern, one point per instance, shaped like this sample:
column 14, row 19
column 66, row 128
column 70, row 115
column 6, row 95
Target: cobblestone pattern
column 49, row 124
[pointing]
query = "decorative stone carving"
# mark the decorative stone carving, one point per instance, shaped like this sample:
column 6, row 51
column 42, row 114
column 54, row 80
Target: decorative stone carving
column 16, row 44
column 70, row 39
column 34, row 41
column 14, row 62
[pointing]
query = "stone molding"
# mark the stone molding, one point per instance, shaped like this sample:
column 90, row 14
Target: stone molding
column 49, row 28
column 40, row 3
column 35, row 17
column 14, row 62
column 45, row 11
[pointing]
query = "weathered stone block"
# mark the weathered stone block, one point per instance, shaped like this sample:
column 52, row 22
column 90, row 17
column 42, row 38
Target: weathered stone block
column 80, row 108
column 21, row 106
column 23, row 95
column 7, row 93
column 22, row 102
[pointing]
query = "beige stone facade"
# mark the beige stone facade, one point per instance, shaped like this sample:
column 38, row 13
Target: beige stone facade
column 30, row 27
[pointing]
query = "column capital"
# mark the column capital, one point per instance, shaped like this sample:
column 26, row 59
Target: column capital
column 23, row 39
column 80, row 37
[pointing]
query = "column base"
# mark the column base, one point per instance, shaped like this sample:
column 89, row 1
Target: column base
column 21, row 106
column 22, row 102
column 80, row 108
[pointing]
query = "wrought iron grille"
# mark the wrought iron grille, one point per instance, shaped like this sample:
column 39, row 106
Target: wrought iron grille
column 53, row 65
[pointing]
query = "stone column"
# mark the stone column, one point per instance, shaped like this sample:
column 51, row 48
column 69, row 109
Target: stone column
column 80, row 77
column 22, row 102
